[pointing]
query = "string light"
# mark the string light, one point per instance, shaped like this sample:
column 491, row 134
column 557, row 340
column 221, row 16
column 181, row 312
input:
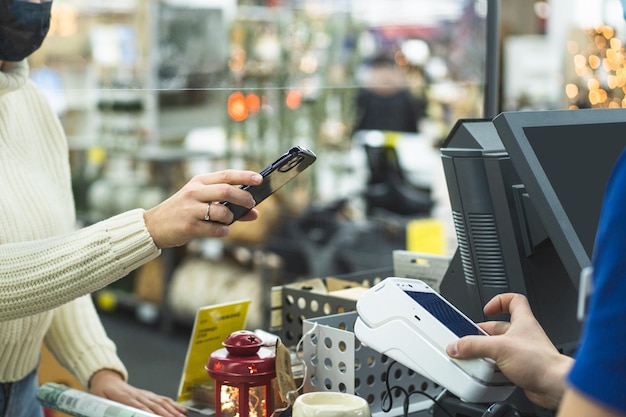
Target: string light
column 602, row 70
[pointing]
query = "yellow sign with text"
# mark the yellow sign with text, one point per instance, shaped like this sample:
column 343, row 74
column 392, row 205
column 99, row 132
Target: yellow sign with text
column 212, row 325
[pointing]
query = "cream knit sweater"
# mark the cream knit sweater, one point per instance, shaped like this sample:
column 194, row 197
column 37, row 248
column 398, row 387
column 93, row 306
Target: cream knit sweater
column 47, row 267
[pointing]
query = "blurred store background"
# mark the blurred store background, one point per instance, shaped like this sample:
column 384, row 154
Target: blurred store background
column 153, row 92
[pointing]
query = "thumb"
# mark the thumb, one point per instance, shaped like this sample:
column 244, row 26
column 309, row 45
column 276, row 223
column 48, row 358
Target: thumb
column 471, row 347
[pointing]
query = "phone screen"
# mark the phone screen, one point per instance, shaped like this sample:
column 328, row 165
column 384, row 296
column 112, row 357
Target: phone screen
column 457, row 323
column 275, row 175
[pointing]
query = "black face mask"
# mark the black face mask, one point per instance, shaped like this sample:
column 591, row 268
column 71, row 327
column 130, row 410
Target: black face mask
column 23, row 27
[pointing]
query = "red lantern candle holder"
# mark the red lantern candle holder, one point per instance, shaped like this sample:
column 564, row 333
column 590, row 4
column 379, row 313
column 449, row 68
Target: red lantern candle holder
column 243, row 372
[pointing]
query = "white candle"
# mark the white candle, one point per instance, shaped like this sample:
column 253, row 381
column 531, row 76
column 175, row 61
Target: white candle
column 330, row 404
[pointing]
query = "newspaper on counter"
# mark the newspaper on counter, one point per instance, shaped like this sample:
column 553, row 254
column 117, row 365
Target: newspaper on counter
column 77, row 403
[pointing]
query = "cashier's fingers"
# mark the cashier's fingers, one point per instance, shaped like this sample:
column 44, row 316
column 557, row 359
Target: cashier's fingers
column 507, row 303
column 495, row 327
column 470, row 347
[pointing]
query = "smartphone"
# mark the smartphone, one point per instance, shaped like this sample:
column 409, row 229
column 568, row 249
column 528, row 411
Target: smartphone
column 275, row 175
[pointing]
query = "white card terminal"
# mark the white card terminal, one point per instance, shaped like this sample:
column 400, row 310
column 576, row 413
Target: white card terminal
column 408, row 321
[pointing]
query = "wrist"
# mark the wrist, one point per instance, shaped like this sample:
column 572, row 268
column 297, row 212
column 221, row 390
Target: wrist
column 556, row 380
column 103, row 375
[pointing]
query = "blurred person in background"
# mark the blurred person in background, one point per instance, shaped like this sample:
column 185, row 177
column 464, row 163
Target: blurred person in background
column 385, row 102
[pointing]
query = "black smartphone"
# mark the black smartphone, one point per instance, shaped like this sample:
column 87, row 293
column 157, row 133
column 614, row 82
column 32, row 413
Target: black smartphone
column 275, row 175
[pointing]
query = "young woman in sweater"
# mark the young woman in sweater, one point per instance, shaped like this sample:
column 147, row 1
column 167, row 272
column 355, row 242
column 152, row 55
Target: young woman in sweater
column 48, row 267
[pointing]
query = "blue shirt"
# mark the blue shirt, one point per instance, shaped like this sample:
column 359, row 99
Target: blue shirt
column 600, row 368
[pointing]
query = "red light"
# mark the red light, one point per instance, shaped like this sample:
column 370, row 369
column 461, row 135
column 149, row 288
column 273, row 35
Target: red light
column 293, row 99
column 253, row 102
column 237, row 108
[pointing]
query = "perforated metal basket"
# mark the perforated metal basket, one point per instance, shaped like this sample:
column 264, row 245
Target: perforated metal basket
column 335, row 360
column 291, row 304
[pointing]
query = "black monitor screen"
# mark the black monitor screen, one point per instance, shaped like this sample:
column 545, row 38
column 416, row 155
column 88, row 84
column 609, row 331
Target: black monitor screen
column 564, row 159
column 526, row 192
column 577, row 177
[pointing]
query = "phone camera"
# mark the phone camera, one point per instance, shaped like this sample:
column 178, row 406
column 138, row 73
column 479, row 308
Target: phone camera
column 291, row 164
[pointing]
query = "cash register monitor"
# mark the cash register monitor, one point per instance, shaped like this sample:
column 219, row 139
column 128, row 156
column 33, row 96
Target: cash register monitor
column 526, row 190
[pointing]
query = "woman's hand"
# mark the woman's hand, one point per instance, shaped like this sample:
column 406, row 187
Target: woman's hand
column 521, row 349
column 181, row 217
column 109, row 384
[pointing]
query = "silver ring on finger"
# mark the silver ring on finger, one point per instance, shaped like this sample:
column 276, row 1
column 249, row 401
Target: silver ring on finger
column 207, row 216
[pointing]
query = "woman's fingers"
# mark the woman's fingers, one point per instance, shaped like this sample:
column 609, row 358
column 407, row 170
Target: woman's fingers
column 181, row 217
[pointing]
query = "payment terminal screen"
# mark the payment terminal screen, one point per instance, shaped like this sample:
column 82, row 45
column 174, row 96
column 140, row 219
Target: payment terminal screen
column 458, row 324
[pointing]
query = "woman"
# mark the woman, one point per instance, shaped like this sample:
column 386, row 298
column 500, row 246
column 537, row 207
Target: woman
column 47, row 268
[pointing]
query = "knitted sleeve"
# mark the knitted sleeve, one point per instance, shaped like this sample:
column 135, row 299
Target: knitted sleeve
column 40, row 275
column 79, row 342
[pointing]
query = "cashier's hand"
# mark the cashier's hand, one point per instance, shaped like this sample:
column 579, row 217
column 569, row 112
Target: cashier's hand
column 521, row 349
column 181, row 217
column 109, row 384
